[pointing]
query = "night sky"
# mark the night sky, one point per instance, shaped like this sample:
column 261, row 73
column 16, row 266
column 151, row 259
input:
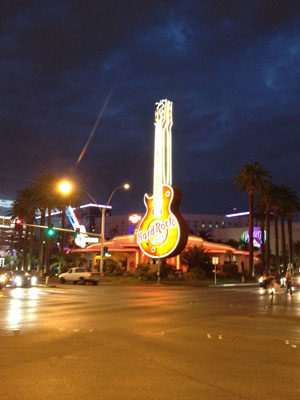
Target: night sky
column 231, row 68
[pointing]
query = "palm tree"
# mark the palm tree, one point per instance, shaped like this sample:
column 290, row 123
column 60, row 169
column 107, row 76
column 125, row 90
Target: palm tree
column 288, row 205
column 196, row 258
column 206, row 235
column 46, row 198
column 63, row 261
column 49, row 198
column 292, row 208
column 296, row 253
column 267, row 197
column 275, row 208
column 24, row 207
column 250, row 178
column 73, row 200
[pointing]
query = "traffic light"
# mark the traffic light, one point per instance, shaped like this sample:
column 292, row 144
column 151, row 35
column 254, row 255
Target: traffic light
column 77, row 232
column 50, row 231
column 105, row 251
column 18, row 224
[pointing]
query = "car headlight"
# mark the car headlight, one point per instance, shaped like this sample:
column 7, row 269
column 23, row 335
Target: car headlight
column 18, row 281
column 2, row 278
column 33, row 280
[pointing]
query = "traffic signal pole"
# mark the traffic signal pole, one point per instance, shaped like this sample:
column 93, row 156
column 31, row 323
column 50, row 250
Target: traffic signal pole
column 62, row 230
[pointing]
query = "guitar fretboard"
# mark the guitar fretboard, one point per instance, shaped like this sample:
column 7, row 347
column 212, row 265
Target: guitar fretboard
column 162, row 152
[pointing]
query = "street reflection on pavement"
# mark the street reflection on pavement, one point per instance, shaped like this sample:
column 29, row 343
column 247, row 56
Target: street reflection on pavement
column 21, row 308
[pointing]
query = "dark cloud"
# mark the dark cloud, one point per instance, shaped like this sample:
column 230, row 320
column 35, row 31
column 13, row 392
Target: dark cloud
column 230, row 67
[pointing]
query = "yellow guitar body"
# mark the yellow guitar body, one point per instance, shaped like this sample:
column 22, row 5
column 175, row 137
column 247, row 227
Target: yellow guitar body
column 163, row 235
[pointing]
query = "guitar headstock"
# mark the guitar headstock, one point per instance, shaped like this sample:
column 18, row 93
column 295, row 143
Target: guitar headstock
column 163, row 112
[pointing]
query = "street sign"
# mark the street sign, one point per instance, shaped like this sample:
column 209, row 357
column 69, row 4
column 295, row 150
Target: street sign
column 215, row 260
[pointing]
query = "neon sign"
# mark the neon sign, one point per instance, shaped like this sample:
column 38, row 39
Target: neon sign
column 257, row 237
column 162, row 231
column 134, row 218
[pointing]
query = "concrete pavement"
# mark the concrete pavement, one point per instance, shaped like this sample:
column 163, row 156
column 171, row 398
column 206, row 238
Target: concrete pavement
column 73, row 342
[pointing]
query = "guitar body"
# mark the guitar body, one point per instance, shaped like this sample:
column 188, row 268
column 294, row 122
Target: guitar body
column 163, row 234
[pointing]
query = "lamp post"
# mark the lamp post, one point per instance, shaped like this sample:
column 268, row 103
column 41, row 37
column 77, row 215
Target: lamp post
column 126, row 186
column 65, row 187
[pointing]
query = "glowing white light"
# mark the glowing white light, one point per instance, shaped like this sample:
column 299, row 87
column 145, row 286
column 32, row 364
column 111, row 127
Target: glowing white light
column 33, row 280
column 237, row 214
column 18, row 281
column 65, row 187
column 134, row 218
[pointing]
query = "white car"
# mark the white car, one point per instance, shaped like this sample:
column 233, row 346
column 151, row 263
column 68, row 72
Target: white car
column 295, row 281
column 78, row 275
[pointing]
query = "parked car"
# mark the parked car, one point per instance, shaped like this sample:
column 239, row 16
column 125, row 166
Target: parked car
column 78, row 275
column 23, row 279
column 295, row 281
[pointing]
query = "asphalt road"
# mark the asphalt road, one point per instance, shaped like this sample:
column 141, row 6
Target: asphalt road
column 108, row 342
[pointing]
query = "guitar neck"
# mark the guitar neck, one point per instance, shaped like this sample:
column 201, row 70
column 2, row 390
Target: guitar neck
column 162, row 152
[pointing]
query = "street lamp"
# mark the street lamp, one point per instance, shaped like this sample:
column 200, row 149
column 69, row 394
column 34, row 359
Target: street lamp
column 126, row 186
column 65, row 187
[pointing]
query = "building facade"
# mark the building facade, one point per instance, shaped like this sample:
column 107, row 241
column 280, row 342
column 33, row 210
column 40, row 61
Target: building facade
column 126, row 249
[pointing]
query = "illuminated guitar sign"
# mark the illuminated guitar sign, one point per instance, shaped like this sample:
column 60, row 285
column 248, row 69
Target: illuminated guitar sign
column 163, row 231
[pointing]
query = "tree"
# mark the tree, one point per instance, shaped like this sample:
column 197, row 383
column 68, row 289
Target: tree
column 44, row 186
column 267, row 197
column 63, row 261
column 250, row 178
column 288, row 204
column 275, row 208
column 42, row 195
column 48, row 198
column 296, row 253
column 24, row 207
column 206, row 235
column 196, row 258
